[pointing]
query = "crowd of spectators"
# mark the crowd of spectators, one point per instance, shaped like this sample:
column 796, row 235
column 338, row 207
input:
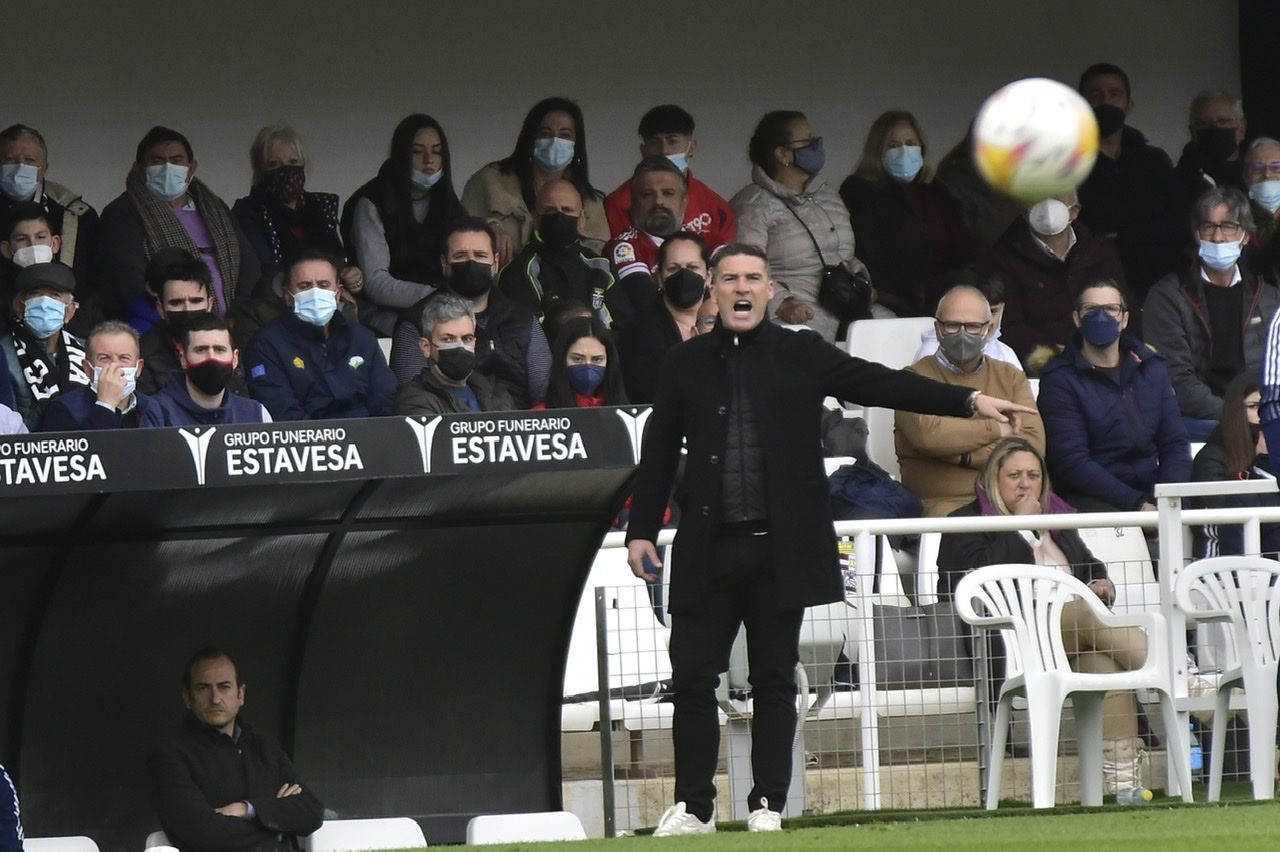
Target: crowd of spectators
column 1136, row 299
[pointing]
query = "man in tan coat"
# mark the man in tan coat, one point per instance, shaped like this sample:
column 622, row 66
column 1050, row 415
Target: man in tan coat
column 941, row 456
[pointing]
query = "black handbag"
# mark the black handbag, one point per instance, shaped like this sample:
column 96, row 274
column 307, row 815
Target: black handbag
column 845, row 295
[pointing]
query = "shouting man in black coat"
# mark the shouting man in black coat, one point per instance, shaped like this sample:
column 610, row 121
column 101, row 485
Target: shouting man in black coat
column 755, row 544
column 220, row 785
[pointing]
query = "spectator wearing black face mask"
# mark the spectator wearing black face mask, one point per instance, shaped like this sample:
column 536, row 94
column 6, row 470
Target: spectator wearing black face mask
column 555, row 265
column 201, row 395
column 682, row 272
column 510, row 348
column 1213, row 157
column 449, row 383
column 1132, row 194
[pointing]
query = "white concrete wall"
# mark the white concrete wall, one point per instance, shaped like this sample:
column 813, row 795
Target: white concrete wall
column 344, row 74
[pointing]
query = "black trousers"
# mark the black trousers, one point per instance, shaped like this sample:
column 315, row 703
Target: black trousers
column 741, row 592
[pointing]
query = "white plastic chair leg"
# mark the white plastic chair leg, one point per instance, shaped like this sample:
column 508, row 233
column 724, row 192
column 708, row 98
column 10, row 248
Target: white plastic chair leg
column 995, row 763
column 1044, row 748
column 1088, row 717
column 1177, row 745
column 1217, row 750
column 1262, row 749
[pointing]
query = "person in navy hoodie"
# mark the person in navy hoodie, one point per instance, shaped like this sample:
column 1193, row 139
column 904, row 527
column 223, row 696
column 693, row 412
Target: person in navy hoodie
column 311, row 363
column 1111, row 419
column 112, row 400
column 208, row 363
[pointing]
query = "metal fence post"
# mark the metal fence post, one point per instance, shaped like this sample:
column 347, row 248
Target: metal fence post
column 607, row 800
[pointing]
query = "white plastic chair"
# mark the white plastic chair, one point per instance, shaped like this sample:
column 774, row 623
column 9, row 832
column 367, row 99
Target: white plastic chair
column 79, row 843
column 524, row 828
column 1025, row 603
column 880, row 445
column 342, row 835
column 892, row 342
column 1243, row 592
column 158, row 840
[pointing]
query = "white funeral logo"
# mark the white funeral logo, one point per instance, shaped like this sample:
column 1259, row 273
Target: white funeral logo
column 198, row 444
column 425, row 432
column 635, row 428
column 515, row 439
column 291, row 451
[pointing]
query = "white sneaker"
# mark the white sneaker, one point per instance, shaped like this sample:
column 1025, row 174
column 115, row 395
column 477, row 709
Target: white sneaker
column 764, row 819
column 677, row 821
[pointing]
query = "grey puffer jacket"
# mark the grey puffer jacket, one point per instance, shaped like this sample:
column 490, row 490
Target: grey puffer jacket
column 1175, row 323
column 765, row 218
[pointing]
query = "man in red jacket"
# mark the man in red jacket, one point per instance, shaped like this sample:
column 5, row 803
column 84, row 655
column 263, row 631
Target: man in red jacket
column 667, row 131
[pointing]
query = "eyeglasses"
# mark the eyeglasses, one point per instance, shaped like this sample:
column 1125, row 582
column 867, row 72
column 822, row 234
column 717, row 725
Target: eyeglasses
column 970, row 327
column 1113, row 310
column 1259, row 169
column 1230, row 230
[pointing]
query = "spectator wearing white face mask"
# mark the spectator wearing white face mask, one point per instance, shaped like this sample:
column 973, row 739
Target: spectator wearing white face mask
column 112, row 400
column 908, row 231
column 165, row 205
column 1047, row 258
column 26, row 238
column 24, row 167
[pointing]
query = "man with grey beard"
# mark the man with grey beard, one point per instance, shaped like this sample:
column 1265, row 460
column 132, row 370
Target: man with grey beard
column 659, row 195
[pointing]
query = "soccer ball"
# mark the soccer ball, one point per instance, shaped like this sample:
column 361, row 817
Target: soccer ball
column 1035, row 139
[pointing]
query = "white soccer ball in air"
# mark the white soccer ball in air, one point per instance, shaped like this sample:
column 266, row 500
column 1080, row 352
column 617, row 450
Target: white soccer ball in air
column 1035, row 139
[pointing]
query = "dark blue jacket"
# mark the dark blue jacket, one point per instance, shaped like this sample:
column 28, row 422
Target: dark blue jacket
column 1228, row 539
column 78, row 409
column 182, row 410
column 1112, row 439
column 10, row 816
column 298, row 374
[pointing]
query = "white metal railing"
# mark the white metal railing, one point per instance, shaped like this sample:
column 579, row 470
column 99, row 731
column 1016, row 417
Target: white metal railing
column 1169, row 518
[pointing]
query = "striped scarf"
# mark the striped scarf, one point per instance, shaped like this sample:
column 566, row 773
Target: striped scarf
column 164, row 230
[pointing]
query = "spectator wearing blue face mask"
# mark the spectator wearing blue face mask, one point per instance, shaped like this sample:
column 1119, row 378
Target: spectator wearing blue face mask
column 311, row 363
column 586, row 371
column 112, row 400
column 1262, row 176
column 1209, row 321
column 165, row 205
column 908, row 232
column 789, row 211
column 1110, row 417
column 42, row 357
column 552, row 145
column 395, row 225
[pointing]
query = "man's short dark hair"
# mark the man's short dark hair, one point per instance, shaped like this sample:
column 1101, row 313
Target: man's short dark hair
column 653, row 165
column 25, row 211
column 202, row 322
column 735, row 249
column 683, row 236
column 1110, row 283
column 175, row 264
column 204, row 655
column 308, row 254
column 158, row 135
column 469, row 225
column 1099, row 69
column 667, row 118
column 14, row 132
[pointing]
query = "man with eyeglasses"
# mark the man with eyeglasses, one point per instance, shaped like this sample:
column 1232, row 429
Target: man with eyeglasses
column 1048, row 257
column 1209, row 321
column 941, row 456
column 1262, row 177
column 1110, row 416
